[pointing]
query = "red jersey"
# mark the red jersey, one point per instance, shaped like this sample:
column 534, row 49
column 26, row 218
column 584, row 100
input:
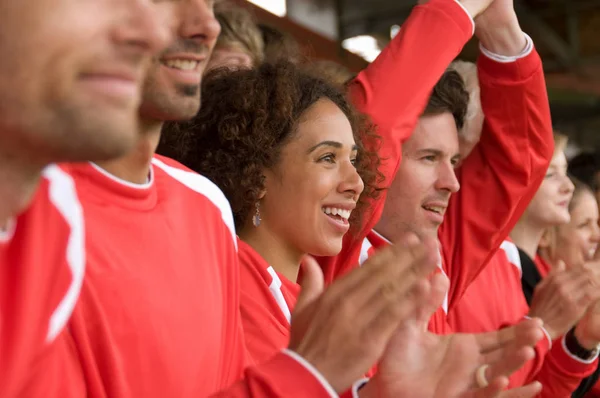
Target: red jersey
column 42, row 261
column 158, row 314
column 267, row 297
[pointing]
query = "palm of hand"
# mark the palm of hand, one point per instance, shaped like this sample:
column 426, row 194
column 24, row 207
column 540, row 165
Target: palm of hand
column 439, row 366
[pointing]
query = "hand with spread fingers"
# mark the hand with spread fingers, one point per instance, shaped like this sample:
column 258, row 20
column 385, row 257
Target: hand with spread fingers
column 562, row 298
column 343, row 330
column 418, row 363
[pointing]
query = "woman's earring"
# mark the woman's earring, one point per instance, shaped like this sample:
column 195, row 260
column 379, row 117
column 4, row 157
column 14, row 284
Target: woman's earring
column 256, row 219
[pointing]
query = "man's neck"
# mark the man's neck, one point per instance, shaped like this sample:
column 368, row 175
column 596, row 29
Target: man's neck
column 135, row 166
column 19, row 179
column 527, row 236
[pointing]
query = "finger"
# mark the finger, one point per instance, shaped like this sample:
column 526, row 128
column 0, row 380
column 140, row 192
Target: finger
column 506, row 361
column 493, row 390
column 528, row 391
column 312, row 283
column 389, row 318
column 526, row 330
column 380, row 285
column 392, row 278
column 434, row 300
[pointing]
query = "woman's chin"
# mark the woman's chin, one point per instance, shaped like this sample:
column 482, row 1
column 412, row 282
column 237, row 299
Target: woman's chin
column 332, row 248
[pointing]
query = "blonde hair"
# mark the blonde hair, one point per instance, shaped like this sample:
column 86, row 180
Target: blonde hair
column 239, row 31
column 560, row 143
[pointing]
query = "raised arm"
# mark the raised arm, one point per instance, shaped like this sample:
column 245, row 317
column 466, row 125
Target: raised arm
column 505, row 169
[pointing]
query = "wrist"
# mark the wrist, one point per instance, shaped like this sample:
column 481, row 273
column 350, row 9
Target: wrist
column 584, row 341
column 506, row 39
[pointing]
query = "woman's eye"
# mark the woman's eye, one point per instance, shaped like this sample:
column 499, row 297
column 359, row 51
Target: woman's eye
column 330, row 158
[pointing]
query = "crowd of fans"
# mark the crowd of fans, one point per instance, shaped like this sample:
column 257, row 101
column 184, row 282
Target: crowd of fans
column 192, row 206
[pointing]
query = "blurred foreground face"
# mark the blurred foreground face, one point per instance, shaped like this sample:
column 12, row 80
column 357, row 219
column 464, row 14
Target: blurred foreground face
column 71, row 73
column 172, row 90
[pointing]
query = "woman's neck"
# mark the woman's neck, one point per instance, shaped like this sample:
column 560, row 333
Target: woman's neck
column 527, row 235
column 280, row 255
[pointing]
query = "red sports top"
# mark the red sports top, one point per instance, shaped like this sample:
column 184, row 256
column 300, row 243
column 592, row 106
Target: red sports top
column 159, row 314
column 42, row 260
column 394, row 99
column 495, row 300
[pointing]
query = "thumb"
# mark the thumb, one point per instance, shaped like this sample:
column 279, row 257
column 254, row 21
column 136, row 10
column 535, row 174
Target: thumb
column 435, row 299
column 312, row 283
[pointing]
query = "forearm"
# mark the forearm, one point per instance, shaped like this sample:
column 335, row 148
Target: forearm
column 504, row 37
column 508, row 164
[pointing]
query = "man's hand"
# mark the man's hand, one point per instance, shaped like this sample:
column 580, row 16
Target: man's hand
column 473, row 7
column 421, row 364
column 344, row 330
column 563, row 297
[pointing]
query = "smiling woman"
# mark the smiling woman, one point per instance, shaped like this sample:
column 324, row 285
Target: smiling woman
column 288, row 151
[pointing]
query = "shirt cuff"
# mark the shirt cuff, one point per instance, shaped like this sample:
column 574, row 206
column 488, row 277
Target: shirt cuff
column 468, row 14
column 574, row 357
column 507, row 59
column 313, row 371
column 545, row 333
column 357, row 386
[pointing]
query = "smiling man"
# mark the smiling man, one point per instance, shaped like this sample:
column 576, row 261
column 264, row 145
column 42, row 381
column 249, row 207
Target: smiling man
column 70, row 79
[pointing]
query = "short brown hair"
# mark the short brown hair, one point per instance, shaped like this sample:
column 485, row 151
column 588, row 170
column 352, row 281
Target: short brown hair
column 248, row 116
column 449, row 95
column 239, row 31
column 280, row 45
column 330, row 71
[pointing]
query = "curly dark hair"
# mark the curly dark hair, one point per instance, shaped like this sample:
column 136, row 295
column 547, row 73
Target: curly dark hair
column 247, row 117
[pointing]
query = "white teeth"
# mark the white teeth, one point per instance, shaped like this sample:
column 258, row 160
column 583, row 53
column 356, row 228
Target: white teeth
column 337, row 212
column 435, row 209
column 182, row 64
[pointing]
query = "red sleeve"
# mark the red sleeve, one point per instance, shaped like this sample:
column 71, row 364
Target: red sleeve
column 282, row 376
column 595, row 391
column 562, row 373
column 393, row 91
column 504, row 170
